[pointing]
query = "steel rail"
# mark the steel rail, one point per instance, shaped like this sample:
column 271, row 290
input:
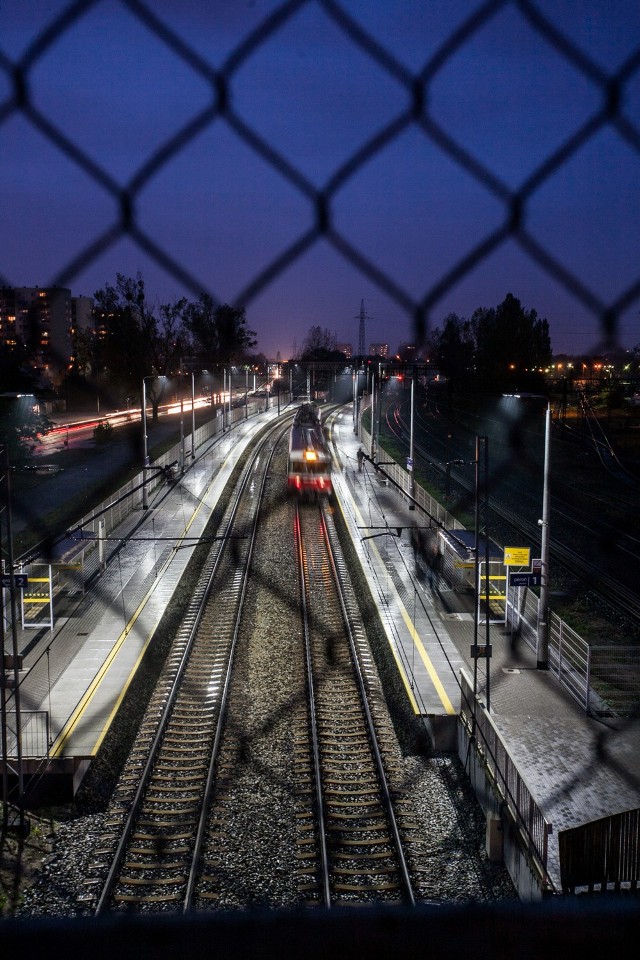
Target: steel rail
column 313, row 719
column 197, row 608
column 333, row 550
column 224, row 699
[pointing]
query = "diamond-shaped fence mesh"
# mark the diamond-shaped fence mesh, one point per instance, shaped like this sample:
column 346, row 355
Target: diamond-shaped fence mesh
column 217, row 104
column 610, row 112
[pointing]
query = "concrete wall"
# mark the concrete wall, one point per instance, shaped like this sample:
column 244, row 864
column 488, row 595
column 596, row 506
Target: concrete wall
column 504, row 843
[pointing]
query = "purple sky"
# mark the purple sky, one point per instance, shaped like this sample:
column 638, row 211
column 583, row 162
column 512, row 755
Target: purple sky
column 224, row 215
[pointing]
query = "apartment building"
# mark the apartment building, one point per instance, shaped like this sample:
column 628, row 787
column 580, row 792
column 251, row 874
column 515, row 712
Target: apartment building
column 43, row 320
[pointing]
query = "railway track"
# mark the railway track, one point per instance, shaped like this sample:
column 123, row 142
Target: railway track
column 350, row 842
column 151, row 851
column 267, row 771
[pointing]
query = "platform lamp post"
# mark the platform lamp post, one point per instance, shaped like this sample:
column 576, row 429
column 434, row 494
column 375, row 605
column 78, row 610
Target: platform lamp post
column 193, row 416
column 379, row 408
column 542, row 644
column 145, row 462
column 476, row 571
column 412, row 474
column 355, row 394
column 224, row 398
column 181, row 419
column 476, row 575
column 372, row 449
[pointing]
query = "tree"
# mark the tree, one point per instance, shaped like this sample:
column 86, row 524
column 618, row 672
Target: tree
column 16, row 372
column 132, row 341
column 320, row 344
column 511, row 344
column 220, row 332
column 453, row 347
column 21, row 421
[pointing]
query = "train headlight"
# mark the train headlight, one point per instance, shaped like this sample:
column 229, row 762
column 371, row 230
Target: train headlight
column 310, row 455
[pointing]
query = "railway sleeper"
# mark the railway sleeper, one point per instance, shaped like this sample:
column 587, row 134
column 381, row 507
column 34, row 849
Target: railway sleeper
column 337, row 817
column 136, row 898
column 142, row 865
column 379, row 855
column 171, row 847
column 347, row 792
column 125, row 881
column 365, row 842
column 161, row 825
column 355, row 872
column 365, row 887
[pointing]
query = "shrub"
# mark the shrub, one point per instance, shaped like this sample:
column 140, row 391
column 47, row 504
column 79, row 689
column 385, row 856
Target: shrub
column 103, row 432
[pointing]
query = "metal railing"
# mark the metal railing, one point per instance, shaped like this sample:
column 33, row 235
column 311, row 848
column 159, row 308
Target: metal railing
column 34, row 731
column 603, row 855
column 508, row 783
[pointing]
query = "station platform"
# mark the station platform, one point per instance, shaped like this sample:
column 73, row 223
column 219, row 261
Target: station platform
column 578, row 768
column 74, row 676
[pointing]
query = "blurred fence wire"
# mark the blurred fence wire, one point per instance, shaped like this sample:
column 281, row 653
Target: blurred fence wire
column 611, row 89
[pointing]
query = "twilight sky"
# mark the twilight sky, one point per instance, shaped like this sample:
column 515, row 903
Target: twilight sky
column 229, row 195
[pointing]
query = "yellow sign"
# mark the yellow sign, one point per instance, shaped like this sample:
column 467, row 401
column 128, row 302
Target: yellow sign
column 517, row 556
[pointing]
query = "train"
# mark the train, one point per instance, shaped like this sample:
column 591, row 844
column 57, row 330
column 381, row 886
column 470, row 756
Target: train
column 309, row 462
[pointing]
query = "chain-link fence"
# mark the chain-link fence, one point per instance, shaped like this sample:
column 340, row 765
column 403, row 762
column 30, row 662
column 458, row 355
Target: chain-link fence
column 613, row 98
column 613, row 90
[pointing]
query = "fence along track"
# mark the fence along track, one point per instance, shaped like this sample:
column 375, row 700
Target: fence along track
column 358, row 853
column 153, row 831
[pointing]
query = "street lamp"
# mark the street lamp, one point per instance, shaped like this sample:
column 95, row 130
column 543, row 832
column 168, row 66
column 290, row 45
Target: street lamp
column 542, row 645
column 145, row 461
column 542, row 637
column 412, row 483
column 372, row 448
column 181, row 420
column 479, row 650
column 193, row 417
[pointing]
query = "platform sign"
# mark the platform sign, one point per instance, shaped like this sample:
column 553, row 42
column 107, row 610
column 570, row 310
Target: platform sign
column 20, row 580
column 409, row 464
column 517, row 556
column 480, row 651
column 524, row 579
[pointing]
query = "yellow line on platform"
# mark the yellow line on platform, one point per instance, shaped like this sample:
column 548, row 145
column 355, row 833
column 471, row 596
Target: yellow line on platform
column 76, row 716
column 426, row 659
